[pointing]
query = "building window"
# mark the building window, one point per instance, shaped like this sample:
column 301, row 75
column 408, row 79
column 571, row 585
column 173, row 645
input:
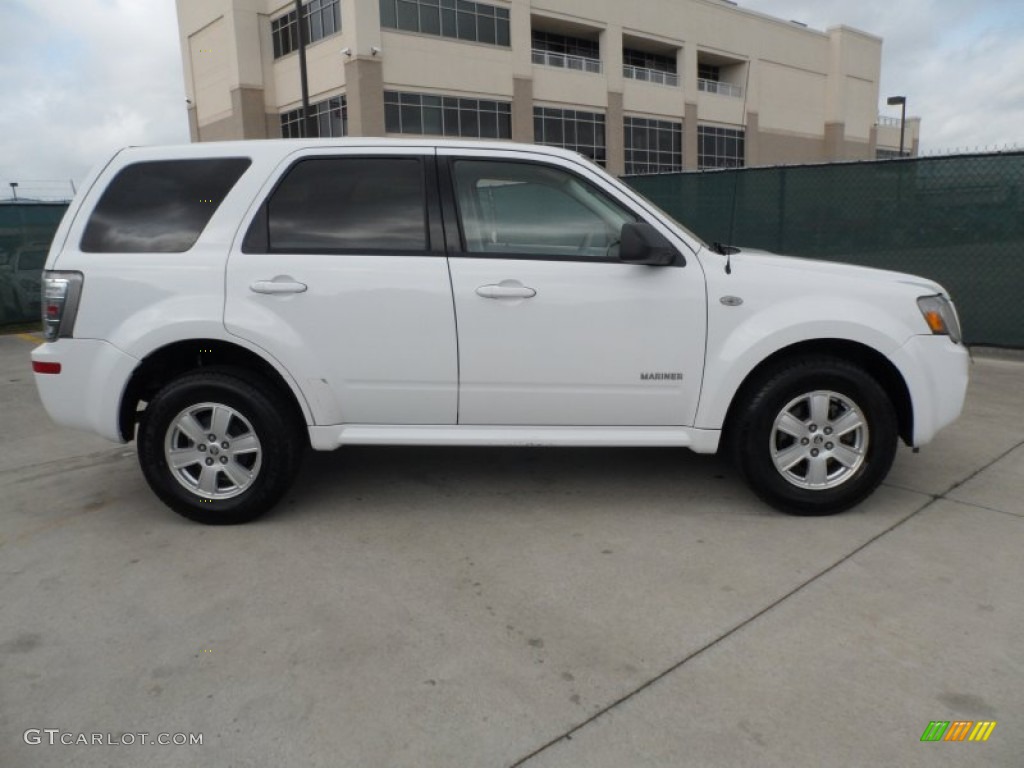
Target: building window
column 709, row 80
column 424, row 114
column 330, row 118
column 457, row 19
column 649, row 67
column 322, row 17
column 709, row 72
column 582, row 132
column 720, row 147
column 653, row 146
column 890, row 154
column 577, row 53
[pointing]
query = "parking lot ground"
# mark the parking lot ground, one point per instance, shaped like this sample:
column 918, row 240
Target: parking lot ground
column 500, row 607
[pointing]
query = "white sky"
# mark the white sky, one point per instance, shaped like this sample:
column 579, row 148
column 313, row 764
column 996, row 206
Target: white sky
column 79, row 78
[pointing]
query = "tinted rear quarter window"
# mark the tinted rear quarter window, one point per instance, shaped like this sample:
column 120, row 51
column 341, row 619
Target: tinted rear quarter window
column 350, row 205
column 161, row 206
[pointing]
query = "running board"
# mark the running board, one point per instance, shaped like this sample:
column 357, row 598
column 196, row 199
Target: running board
column 330, row 438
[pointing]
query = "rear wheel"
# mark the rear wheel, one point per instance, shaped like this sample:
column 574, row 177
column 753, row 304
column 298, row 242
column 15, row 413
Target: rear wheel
column 215, row 449
column 817, row 436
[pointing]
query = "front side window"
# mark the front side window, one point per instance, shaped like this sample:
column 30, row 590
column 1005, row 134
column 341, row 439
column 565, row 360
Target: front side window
column 527, row 209
column 349, row 205
column 161, row 206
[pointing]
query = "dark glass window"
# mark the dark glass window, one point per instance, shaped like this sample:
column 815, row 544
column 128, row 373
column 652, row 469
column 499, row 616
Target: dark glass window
column 709, row 72
column 530, row 209
column 458, row 19
column 330, row 118
column 160, row 207
column 349, row 205
column 581, row 132
column 420, row 114
column 322, row 17
column 653, row 146
column 720, row 147
column 632, row 57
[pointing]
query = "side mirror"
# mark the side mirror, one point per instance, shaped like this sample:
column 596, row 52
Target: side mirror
column 643, row 244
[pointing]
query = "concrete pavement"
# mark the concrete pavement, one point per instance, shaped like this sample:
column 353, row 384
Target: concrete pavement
column 457, row 607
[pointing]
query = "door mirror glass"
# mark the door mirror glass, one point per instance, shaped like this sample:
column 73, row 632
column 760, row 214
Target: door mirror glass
column 640, row 243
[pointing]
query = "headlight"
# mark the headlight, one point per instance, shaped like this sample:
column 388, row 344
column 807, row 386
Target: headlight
column 940, row 315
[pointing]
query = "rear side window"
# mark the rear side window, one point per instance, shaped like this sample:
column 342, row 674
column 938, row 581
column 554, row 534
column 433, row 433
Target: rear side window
column 350, row 205
column 160, row 207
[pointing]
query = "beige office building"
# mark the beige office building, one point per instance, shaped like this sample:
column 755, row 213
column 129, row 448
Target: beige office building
column 640, row 86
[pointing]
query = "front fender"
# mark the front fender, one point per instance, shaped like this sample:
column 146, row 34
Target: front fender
column 741, row 338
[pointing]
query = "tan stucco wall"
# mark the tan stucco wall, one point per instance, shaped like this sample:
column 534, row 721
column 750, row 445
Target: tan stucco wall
column 796, row 81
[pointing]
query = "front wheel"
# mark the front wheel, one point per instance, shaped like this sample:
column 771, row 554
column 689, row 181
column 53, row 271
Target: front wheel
column 215, row 449
column 818, row 436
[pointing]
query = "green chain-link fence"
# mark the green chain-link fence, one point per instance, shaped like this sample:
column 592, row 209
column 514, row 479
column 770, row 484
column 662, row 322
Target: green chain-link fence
column 26, row 230
column 958, row 220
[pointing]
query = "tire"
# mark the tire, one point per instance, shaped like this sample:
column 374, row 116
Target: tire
column 208, row 482
column 797, row 440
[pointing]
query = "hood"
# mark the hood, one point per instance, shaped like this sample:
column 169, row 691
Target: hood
column 752, row 259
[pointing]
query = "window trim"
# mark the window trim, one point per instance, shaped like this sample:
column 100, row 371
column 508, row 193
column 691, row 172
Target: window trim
column 456, row 232
column 256, row 239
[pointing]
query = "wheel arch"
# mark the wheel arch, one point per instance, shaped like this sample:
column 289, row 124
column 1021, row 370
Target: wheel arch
column 172, row 360
column 871, row 360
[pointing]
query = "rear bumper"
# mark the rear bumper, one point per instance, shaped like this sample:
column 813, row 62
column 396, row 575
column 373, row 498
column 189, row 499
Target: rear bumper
column 86, row 394
column 936, row 372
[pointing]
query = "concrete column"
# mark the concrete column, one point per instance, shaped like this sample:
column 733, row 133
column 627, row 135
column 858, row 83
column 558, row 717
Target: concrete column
column 249, row 112
column 364, row 86
column 615, row 134
column 522, row 109
column 690, row 136
column 835, row 141
column 873, row 142
column 193, row 124
column 752, row 139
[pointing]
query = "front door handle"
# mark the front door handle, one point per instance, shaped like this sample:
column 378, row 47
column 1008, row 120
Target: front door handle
column 280, row 284
column 507, row 289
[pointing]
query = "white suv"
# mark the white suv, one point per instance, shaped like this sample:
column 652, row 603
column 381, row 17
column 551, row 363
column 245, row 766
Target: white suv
column 229, row 304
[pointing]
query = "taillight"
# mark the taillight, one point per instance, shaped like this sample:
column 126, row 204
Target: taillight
column 61, row 293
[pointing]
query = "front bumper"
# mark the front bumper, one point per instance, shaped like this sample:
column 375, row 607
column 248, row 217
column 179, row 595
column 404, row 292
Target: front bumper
column 936, row 372
column 87, row 393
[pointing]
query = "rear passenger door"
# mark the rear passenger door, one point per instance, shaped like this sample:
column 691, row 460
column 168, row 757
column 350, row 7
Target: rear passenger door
column 342, row 277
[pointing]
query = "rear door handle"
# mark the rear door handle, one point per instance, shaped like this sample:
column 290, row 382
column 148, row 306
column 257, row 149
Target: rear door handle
column 507, row 289
column 280, row 284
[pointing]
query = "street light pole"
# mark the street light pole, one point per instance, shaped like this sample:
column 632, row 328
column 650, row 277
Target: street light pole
column 307, row 118
column 902, row 102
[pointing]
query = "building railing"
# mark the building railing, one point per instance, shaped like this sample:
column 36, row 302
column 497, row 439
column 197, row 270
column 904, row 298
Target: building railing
column 566, row 61
column 722, row 89
column 892, row 122
column 648, row 75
